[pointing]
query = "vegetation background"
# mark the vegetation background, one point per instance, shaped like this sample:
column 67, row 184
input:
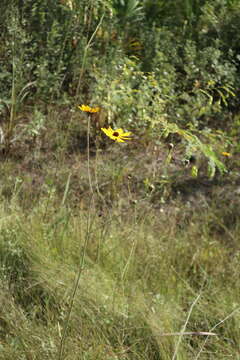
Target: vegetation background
column 119, row 251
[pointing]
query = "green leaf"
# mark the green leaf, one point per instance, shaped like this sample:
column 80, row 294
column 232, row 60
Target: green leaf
column 194, row 171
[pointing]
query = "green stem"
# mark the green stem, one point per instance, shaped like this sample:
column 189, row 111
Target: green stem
column 85, row 55
column 81, row 268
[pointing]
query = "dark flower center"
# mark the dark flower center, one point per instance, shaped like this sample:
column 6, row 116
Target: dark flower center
column 116, row 134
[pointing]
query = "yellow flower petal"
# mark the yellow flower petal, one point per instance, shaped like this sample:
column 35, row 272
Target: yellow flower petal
column 120, row 131
column 224, row 153
column 127, row 134
column 117, row 135
column 88, row 109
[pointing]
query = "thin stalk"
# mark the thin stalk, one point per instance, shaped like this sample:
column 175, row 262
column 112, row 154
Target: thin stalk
column 66, row 189
column 183, row 331
column 89, row 43
column 88, row 156
column 13, row 98
column 213, row 328
column 80, row 270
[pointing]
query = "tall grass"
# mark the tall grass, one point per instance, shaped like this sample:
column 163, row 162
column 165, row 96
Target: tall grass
column 148, row 268
column 141, row 282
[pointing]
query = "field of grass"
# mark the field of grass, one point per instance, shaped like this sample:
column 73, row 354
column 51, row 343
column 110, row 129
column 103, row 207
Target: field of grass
column 115, row 268
column 115, row 250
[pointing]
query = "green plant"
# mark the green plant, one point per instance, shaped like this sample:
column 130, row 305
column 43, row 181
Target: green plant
column 16, row 90
column 127, row 11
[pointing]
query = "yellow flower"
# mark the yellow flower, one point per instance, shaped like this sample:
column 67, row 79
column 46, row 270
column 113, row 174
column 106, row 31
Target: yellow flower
column 88, row 109
column 118, row 135
column 224, row 153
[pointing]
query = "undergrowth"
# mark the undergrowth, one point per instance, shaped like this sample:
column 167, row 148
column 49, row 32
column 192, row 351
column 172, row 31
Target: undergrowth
column 110, row 250
column 154, row 263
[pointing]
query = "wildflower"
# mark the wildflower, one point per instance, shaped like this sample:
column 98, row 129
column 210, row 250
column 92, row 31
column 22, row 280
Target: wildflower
column 118, row 135
column 88, row 109
column 224, row 153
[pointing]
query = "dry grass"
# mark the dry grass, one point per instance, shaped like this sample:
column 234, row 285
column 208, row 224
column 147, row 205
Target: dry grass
column 154, row 266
